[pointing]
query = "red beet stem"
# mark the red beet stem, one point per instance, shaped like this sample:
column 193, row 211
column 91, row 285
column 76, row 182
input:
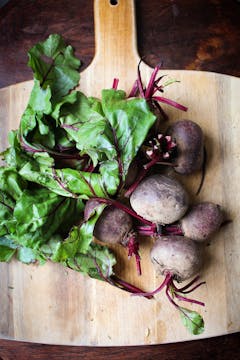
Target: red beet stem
column 142, row 174
column 123, row 207
column 173, row 230
column 134, row 89
column 170, row 298
column 133, row 248
column 115, row 83
column 187, row 286
column 170, row 102
column 194, row 288
column 166, row 281
column 183, row 298
column 139, row 81
column 146, row 230
column 128, row 287
column 151, row 84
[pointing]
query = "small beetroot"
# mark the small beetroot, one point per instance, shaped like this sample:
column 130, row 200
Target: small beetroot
column 114, row 226
column 202, row 221
column 179, row 258
column 190, row 146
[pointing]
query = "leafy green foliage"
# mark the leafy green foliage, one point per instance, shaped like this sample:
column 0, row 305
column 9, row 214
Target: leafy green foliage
column 128, row 121
column 67, row 149
column 192, row 320
column 113, row 129
column 11, row 182
column 7, row 249
column 79, row 239
column 97, row 263
column 40, row 213
column 6, row 212
column 26, row 255
column 55, row 66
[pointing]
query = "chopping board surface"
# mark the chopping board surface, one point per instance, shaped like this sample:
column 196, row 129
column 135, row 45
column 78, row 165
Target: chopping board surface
column 50, row 304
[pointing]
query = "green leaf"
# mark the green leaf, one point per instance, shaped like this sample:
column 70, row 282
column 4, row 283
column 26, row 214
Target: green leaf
column 55, row 66
column 6, row 253
column 79, row 239
column 7, row 249
column 50, row 247
column 97, row 263
column 26, row 255
column 36, row 132
column 69, row 182
column 113, row 129
column 40, row 98
column 68, row 99
column 15, row 156
column 40, row 214
column 6, row 213
column 82, row 183
column 85, row 124
column 28, row 121
column 192, row 320
column 109, row 171
column 11, row 182
column 129, row 121
column 110, row 132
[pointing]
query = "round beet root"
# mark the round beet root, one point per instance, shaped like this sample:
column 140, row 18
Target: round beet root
column 178, row 256
column 190, row 146
column 202, row 221
column 160, row 199
column 113, row 226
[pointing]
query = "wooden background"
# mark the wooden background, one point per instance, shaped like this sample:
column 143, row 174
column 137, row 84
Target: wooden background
column 201, row 35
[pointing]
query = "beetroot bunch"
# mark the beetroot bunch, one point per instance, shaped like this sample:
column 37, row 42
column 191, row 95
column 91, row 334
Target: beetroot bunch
column 154, row 204
column 80, row 168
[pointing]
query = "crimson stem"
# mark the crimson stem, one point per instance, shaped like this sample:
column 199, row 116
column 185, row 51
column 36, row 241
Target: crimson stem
column 142, row 174
column 115, row 83
column 168, row 282
column 125, row 208
column 133, row 248
column 122, row 284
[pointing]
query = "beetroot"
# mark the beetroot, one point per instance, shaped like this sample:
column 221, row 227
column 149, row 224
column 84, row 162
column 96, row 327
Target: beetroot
column 160, row 199
column 114, row 226
column 179, row 258
column 190, row 146
column 177, row 255
column 202, row 221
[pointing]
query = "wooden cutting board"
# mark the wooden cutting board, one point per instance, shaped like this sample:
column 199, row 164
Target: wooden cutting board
column 50, row 304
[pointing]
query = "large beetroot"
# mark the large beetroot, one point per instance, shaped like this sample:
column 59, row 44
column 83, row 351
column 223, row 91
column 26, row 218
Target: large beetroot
column 160, row 199
column 178, row 256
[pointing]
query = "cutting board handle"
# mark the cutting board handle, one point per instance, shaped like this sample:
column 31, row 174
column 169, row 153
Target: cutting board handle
column 115, row 31
column 115, row 47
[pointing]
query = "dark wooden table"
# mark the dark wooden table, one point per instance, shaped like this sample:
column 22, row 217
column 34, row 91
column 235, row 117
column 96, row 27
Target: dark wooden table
column 201, row 35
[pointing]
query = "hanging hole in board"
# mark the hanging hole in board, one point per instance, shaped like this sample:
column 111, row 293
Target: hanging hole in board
column 114, row 2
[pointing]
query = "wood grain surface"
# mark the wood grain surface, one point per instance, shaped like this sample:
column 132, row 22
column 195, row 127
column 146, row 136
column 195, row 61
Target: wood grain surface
column 140, row 353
